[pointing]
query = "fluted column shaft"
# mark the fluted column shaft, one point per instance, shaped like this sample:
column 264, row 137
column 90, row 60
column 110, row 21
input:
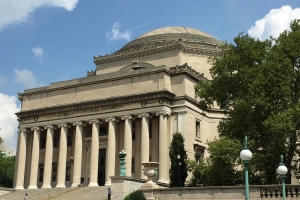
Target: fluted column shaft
column 163, row 147
column 77, row 153
column 128, row 143
column 21, row 159
column 144, row 141
column 62, row 157
column 111, row 149
column 94, row 153
column 48, row 157
column 34, row 167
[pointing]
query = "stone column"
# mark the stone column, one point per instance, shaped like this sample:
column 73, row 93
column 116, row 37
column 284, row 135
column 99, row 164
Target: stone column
column 128, row 143
column 21, row 159
column 77, row 153
column 62, row 157
column 144, row 141
column 163, row 147
column 111, row 149
column 94, row 153
column 34, row 167
column 48, row 157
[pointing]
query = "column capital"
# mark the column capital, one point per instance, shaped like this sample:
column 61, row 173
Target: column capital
column 96, row 121
column 80, row 123
column 50, row 127
column 111, row 119
column 37, row 128
column 64, row 125
column 144, row 115
column 127, row 117
column 22, row 130
column 163, row 112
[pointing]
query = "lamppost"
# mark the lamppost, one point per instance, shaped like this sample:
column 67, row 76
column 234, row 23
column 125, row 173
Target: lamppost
column 179, row 163
column 282, row 170
column 246, row 156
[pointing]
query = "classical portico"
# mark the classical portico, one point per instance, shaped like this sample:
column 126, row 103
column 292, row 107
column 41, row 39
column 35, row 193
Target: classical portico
column 135, row 100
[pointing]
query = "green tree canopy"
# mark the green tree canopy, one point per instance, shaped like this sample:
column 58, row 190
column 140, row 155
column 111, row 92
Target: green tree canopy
column 257, row 83
column 7, row 167
column 221, row 168
column 176, row 171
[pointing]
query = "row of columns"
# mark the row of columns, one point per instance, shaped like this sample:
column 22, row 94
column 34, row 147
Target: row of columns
column 111, row 151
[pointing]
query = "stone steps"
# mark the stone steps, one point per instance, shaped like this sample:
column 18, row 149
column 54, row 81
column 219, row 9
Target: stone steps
column 98, row 193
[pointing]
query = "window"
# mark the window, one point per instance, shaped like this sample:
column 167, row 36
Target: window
column 41, row 172
column 68, row 171
column 70, row 137
column 103, row 130
column 43, row 141
column 132, row 165
column 133, row 132
column 198, row 129
column 54, row 171
column 56, row 138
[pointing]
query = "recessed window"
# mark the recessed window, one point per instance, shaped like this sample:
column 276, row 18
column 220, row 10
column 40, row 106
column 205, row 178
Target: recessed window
column 150, row 129
column 56, row 138
column 41, row 172
column 42, row 141
column 54, row 171
column 133, row 132
column 132, row 165
column 198, row 129
column 68, row 171
column 70, row 137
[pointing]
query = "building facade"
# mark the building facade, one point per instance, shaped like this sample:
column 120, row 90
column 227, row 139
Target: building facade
column 135, row 100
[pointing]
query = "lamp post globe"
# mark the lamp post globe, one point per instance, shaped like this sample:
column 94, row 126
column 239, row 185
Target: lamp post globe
column 282, row 171
column 179, row 163
column 246, row 156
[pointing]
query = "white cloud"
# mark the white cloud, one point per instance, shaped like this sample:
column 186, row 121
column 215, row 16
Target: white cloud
column 276, row 21
column 38, row 52
column 26, row 78
column 16, row 11
column 115, row 33
column 8, row 120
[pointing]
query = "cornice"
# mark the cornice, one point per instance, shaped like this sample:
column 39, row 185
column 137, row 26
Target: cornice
column 164, row 94
column 196, row 48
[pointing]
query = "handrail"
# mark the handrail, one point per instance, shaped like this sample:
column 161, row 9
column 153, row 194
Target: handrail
column 54, row 193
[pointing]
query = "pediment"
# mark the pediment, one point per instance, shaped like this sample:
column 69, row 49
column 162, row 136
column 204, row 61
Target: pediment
column 137, row 66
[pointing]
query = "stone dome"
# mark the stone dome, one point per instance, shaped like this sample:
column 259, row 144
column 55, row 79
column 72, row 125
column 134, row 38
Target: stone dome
column 174, row 33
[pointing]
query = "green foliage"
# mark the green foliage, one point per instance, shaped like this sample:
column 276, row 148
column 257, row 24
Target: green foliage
column 7, row 167
column 176, row 171
column 136, row 195
column 221, row 168
column 258, row 85
column 1, row 139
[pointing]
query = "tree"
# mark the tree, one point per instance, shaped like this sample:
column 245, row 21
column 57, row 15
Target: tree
column 177, row 148
column 257, row 83
column 7, row 167
column 221, row 168
column 1, row 139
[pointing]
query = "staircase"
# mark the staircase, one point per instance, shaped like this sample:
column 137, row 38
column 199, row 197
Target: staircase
column 71, row 193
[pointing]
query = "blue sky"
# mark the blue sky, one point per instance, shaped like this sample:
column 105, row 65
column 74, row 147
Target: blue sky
column 47, row 41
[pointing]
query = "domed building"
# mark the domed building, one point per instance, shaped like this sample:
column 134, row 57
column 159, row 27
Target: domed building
column 134, row 100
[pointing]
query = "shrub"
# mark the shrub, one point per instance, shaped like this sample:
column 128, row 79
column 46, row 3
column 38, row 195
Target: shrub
column 136, row 195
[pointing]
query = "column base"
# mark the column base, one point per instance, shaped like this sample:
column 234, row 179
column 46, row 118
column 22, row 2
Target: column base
column 93, row 185
column 19, row 188
column 60, row 186
column 46, row 186
column 163, row 181
column 108, row 184
column 32, row 187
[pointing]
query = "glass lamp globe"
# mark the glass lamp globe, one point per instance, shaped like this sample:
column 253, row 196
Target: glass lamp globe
column 282, row 170
column 178, row 157
column 246, row 154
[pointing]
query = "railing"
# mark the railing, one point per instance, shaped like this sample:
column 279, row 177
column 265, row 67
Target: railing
column 53, row 194
column 275, row 191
